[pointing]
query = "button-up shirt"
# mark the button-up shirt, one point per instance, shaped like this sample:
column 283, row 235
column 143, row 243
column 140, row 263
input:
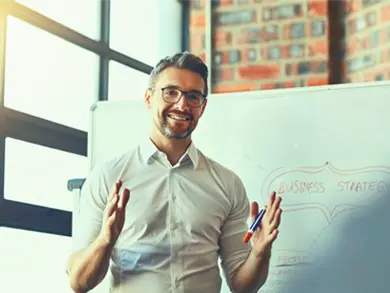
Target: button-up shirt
column 179, row 221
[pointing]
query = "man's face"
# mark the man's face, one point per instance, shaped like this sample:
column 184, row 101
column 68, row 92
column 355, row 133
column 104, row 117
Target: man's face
column 175, row 120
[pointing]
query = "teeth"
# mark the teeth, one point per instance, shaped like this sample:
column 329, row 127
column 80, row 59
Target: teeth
column 178, row 118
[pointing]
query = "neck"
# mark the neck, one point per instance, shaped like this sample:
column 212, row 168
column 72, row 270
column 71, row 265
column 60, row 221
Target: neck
column 173, row 148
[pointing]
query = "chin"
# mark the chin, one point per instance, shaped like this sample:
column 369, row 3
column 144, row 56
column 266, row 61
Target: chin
column 176, row 134
column 179, row 136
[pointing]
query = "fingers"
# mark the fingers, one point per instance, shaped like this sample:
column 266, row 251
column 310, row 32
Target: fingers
column 271, row 203
column 117, row 202
column 274, row 204
column 112, row 205
column 115, row 190
column 268, row 206
column 112, row 218
column 276, row 220
column 275, row 207
column 272, row 236
column 271, row 199
column 124, row 199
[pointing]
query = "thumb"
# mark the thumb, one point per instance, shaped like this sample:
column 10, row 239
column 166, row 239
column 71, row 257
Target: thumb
column 254, row 210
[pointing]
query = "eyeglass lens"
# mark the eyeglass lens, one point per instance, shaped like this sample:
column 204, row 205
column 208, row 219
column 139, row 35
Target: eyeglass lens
column 172, row 95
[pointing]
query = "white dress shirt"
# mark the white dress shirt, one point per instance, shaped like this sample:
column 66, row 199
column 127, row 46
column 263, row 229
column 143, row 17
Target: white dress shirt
column 179, row 220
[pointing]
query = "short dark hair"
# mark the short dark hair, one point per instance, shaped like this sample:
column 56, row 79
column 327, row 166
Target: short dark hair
column 182, row 60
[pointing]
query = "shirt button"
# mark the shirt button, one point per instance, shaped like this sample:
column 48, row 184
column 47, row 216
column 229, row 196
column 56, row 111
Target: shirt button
column 174, row 226
column 173, row 197
column 177, row 283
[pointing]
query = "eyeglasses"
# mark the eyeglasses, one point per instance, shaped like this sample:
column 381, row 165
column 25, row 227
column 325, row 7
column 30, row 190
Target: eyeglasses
column 173, row 95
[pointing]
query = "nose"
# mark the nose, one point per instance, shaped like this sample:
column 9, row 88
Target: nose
column 182, row 104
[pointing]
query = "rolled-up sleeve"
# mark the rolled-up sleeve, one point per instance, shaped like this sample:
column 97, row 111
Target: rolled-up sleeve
column 93, row 198
column 233, row 251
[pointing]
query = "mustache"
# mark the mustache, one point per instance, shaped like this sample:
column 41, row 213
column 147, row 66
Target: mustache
column 186, row 114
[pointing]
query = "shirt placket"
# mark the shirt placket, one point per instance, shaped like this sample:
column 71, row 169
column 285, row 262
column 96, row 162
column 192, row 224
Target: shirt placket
column 174, row 231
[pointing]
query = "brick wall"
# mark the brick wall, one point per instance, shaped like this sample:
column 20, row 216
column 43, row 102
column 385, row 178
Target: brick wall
column 266, row 44
column 263, row 44
column 367, row 40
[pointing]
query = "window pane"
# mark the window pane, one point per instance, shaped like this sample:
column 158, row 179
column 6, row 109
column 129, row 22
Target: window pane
column 127, row 36
column 33, row 262
column 38, row 175
column 126, row 83
column 81, row 16
column 48, row 77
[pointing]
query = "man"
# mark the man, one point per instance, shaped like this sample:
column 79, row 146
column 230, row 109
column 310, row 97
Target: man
column 172, row 211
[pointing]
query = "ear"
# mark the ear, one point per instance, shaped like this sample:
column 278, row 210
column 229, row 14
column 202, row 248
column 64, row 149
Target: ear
column 148, row 98
column 203, row 107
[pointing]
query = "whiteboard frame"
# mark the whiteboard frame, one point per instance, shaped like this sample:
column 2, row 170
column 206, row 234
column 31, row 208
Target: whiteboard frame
column 278, row 93
column 248, row 95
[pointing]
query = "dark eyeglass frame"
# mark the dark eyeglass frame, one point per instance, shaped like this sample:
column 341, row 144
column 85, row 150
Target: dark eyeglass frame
column 182, row 93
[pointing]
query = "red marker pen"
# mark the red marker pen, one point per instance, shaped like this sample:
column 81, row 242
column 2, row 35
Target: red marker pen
column 254, row 226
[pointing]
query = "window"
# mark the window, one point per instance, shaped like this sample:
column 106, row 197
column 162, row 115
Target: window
column 33, row 262
column 133, row 29
column 38, row 175
column 126, row 83
column 81, row 16
column 48, row 77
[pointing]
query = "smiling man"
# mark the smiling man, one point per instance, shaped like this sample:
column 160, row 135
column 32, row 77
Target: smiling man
column 176, row 119
column 159, row 217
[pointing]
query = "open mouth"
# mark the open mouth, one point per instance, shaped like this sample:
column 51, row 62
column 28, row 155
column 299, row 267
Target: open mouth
column 179, row 117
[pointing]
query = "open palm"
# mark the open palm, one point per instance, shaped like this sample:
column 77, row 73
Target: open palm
column 267, row 231
column 114, row 214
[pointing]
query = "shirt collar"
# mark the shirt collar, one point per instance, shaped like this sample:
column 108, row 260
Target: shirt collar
column 192, row 153
column 148, row 149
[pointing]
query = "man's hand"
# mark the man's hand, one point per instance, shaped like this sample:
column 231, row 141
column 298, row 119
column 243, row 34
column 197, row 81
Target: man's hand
column 88, row 267
column 254, row 271
column 267, row 231
column 114, row 215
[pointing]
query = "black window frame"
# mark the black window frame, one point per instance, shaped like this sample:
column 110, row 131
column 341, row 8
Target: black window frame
column 18, row 125
column 185, row 27
column 25, row 127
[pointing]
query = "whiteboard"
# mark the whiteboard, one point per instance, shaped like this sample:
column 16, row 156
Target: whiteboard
column 325, row 150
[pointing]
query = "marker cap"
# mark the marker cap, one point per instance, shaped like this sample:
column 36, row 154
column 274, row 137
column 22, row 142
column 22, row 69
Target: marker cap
column 247, row 237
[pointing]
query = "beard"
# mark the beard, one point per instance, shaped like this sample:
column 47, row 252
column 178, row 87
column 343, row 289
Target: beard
column 168, row 131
